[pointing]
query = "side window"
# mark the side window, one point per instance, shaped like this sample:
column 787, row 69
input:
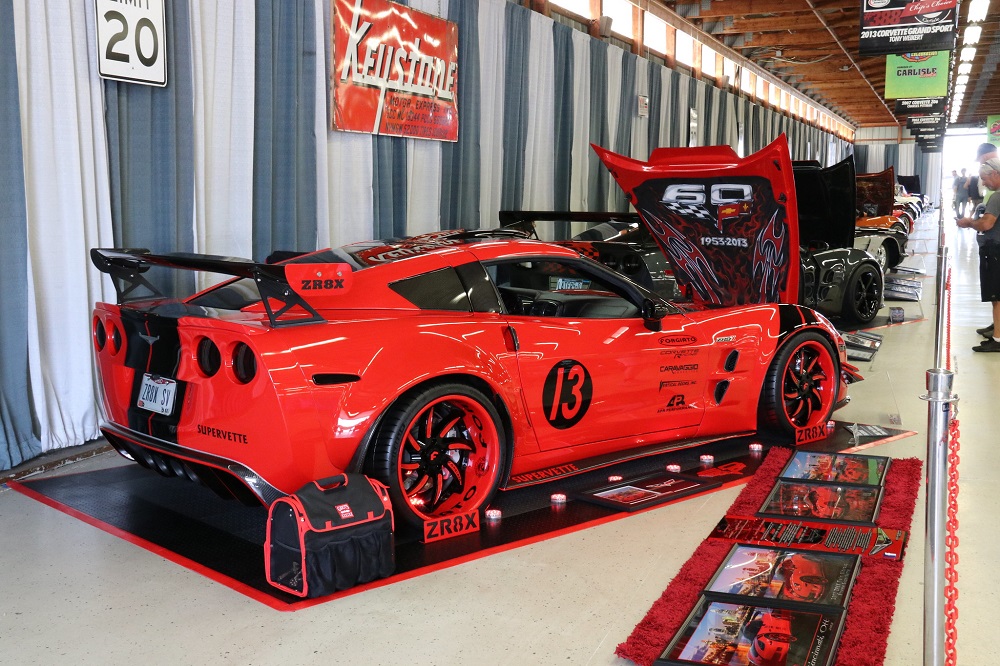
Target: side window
column 547, row 288
column 437, row 290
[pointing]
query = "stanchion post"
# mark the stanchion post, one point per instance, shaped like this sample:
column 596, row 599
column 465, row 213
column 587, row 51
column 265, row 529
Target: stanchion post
column 939, row 407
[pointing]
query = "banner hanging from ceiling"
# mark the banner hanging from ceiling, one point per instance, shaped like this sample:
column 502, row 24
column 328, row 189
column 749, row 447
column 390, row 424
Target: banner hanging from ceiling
column 920, row 122
column 395, row 71
column 911, row 75
column 902, row 26
column 920, row 106
column 993, row 129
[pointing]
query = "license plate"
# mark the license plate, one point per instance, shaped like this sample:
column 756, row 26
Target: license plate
column 156, row 394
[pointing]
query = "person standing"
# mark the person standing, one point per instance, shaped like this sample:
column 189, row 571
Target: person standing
column 984, row 152
column 989, row 251
column 961, row 194
column 954, row 190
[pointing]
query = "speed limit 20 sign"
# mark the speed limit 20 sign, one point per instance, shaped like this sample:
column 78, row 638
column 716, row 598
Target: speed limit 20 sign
column 131, row 41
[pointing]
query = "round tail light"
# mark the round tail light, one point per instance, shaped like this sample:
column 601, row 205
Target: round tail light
column 209, row 357
column 100, row 334
column 116, row 339
column 244, row 363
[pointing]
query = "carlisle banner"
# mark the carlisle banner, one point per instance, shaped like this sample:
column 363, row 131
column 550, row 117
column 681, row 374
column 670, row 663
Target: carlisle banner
column 901, row 26
column 395, row 71
column 916, row 75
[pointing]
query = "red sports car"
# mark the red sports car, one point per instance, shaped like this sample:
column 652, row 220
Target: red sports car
column 447, row 366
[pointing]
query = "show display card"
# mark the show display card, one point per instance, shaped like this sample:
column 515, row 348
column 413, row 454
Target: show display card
column 813, row 536
column 823, row 501
column 843, row 468
column 817, row 578
column 717, row 632
column 638, row 493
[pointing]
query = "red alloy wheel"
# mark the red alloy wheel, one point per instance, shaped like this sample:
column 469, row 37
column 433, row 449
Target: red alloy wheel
column 809, row 384
column 444, row 452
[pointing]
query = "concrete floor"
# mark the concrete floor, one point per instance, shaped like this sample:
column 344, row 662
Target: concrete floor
column 72, row 593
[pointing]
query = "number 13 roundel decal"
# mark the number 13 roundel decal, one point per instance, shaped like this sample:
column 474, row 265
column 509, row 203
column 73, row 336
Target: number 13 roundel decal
column 566, row 394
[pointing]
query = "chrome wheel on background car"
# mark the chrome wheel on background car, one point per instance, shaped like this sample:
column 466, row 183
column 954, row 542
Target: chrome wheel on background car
column 441, row 452
column 801, row 385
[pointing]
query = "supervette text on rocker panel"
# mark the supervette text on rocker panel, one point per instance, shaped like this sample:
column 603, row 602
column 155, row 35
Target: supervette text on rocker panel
column 447, row 366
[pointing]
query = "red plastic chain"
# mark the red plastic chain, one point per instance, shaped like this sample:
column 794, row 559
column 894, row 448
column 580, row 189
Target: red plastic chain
column 951, row 527
column 951, row 550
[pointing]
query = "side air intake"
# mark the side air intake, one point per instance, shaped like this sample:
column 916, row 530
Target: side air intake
column 720, row 391
column 731, row 360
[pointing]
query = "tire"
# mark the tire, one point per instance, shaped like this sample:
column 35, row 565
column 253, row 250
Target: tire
column 898, row 226
column 441, row 451
column 863, row 296
column 800, row 388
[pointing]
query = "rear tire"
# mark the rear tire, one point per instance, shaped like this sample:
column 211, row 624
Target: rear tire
column 800, row 388
column 441, row 451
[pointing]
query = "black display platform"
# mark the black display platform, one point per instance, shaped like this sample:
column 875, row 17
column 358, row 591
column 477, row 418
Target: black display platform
column 223, row 540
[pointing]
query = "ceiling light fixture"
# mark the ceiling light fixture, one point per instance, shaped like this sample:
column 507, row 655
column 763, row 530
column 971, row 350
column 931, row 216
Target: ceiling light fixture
column 962, row 79
column 978, row 9
column 960, row 89
column 972, row 34
column 968, row 54
column 965, row 68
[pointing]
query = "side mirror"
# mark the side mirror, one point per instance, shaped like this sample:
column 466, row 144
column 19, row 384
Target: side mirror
column 653, row 313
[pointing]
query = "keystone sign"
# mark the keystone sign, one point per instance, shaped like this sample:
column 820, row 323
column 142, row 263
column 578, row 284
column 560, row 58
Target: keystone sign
column 395, row 71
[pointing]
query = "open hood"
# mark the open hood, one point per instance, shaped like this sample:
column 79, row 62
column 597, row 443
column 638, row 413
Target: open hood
column 876, row 193
column 728, row 225
column 826, row 202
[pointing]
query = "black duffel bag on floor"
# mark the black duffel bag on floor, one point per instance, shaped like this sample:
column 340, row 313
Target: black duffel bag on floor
column 331, row 535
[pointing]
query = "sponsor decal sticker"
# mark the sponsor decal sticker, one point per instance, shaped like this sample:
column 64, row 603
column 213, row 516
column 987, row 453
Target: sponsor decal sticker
column 674, row 369
column 547, row 473
column 345, row 511
column 676, row 340
column 673, row 383
column 219, row 433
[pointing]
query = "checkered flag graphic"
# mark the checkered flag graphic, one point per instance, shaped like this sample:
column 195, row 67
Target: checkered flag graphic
column 690, row 211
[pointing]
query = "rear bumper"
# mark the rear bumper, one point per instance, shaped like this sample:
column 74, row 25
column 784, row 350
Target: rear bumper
column 226, row 477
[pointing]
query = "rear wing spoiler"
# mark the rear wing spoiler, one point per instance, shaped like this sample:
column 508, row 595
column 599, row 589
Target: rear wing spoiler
column 278, row 284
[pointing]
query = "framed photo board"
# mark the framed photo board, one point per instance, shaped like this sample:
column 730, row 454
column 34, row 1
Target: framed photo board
column 639, row 493
column 720, row 632
column 823, row 501
column 784, row 574
column 841, row 468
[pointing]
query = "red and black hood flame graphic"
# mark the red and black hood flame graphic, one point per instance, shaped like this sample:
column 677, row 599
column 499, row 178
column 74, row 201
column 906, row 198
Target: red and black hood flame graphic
column 728, row 225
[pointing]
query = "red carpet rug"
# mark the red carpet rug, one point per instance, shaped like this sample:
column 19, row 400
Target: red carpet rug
column 863, row 641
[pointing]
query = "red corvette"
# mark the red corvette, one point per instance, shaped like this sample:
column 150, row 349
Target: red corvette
column 447, row 366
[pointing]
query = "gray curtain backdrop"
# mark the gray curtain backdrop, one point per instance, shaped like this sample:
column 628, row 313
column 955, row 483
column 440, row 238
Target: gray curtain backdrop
column 628, row 105
column 562, row 38
column 861, row 158
column 515, row 104
column 17, row 439
column 284, row 147
column 597, row 180
column 655, row 87
column 460, row 161
column 892, row 157
column 151, row 156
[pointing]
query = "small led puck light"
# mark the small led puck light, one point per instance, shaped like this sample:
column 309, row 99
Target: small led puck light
column 494, row 514
column 756, row 446
column 707, row 458
column 558, row 498
column 830, row 426
column 673, row 467
column 614, row 477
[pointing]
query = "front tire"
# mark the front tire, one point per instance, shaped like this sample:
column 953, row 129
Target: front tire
column 801, row 385
column 441, row 451
column 863, row 296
